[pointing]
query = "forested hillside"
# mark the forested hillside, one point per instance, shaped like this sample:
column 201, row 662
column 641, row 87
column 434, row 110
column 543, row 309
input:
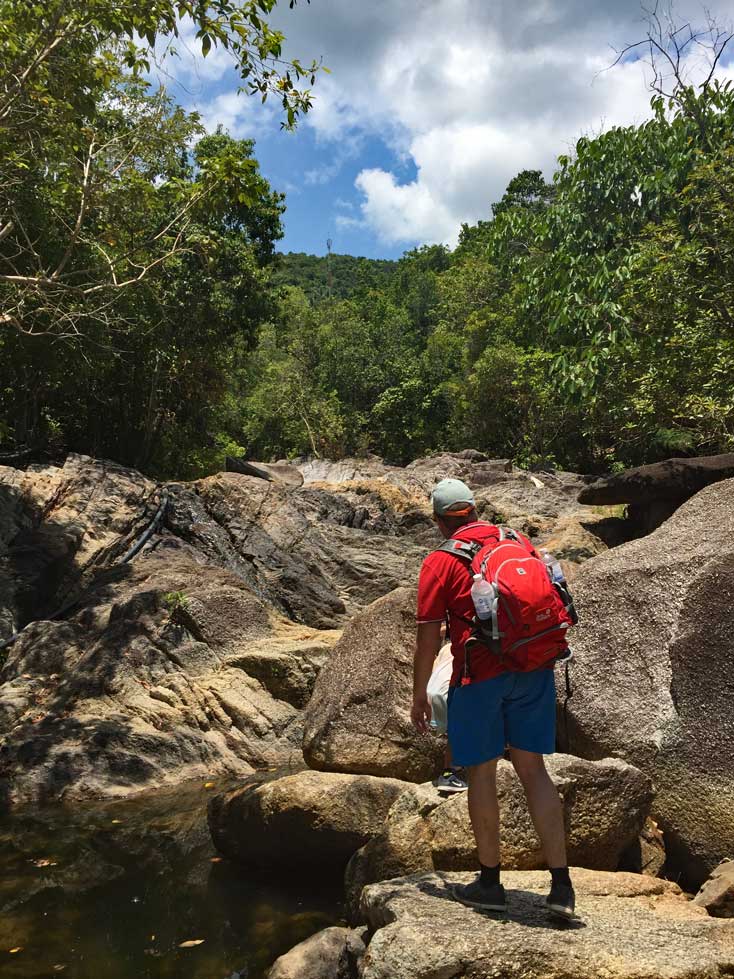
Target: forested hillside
column 333, row 276
column 587, row 321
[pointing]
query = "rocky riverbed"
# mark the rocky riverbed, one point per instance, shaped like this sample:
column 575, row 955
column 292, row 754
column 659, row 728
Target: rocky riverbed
column 263, row 619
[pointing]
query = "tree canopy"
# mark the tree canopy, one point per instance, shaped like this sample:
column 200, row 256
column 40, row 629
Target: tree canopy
column 587, row 320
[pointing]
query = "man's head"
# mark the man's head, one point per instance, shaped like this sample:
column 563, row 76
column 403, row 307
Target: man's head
column 453, row 505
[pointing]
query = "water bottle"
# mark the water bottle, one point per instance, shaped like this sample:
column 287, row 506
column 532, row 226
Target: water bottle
column 555, row 571
column 482, row 594
column 556, row 575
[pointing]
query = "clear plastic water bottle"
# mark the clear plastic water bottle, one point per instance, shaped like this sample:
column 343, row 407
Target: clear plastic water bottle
column 482, row 594
column 555, row 571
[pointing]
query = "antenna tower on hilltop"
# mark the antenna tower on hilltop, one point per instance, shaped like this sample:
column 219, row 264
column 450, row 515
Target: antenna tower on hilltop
column 328, row 266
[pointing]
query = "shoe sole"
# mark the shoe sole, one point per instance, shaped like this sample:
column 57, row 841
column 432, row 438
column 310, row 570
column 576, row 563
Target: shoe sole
column 451, row 788
column 477, row 904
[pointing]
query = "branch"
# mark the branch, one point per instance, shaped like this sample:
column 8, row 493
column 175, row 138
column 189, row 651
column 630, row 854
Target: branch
column 84, row 196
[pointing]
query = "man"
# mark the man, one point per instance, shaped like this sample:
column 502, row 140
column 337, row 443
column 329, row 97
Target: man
column 499, row 709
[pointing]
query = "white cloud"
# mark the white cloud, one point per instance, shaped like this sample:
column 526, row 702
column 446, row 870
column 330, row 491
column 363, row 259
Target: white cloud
column 236, row 113
column 469, row 92
column 465, row 92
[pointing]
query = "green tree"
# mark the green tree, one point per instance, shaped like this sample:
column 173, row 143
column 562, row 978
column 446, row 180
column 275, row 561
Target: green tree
column 63, row 147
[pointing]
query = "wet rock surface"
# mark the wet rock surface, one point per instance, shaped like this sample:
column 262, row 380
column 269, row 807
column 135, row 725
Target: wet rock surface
column 653, row 676
column 630, row 927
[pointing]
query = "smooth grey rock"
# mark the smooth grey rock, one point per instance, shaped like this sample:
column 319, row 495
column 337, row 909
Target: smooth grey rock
column 717, row 893
column 358, row 719
column 278, row 472
column 653, row 679
column 605, row 804
column 333, row 953
column 314, row 819
column 675, row 480
column 631, row 927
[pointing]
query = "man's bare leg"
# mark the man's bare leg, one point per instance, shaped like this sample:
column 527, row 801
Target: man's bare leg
column 486, row 891
column 484, row 811
column 544, row 804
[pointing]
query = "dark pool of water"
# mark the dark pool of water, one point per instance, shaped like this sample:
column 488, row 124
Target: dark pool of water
column 111, row 891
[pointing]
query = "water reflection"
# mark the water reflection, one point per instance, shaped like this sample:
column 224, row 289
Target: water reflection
column 111, row 891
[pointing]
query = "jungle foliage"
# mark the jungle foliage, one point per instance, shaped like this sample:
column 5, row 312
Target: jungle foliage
column 588, row 321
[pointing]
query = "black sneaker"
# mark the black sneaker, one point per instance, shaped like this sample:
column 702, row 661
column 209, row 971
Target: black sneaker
column 562, row 900
column 450, row 781
column 478, row 895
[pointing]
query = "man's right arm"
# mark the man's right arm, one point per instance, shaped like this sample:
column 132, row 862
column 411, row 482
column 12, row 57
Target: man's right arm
column 431, row 615
column 427, row 646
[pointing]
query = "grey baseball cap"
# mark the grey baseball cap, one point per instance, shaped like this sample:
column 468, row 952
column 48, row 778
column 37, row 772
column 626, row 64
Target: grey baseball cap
column 451, row 496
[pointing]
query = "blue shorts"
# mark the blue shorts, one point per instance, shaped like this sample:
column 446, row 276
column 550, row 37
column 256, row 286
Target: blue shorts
column 516, row 710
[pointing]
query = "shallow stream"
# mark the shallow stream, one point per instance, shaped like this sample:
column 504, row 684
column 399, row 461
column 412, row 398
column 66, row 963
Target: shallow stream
column 120, row 890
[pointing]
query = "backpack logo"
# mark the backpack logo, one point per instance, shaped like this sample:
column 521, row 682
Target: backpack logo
column 521, row 570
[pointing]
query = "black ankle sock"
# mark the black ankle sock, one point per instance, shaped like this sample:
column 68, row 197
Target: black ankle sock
column 489, row 875
column 560, row 875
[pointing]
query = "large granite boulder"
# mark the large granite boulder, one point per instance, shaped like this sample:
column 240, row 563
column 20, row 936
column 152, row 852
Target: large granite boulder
column 675, row 480
column 333, row 953
column 318, row 554
column 653, row 672
column 631, row 927
column 308, row 819
column 143, row 676
column 278, row 472
column 315, row 553
column 717, row 893
column 57, row 524
column 167, row 670
column 605, row 804
column 358, row 719
column 652, row 493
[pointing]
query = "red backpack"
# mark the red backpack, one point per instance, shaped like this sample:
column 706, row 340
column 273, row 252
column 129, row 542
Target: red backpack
column 531, row 613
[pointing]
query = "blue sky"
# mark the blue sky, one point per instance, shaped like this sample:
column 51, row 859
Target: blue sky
column 430, row 108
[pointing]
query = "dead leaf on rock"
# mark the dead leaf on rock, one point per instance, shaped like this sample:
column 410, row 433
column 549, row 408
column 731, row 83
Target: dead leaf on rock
column 44, row 862
column 209, row 785
column 191, row 942
column 215, row 860
column 18, row 948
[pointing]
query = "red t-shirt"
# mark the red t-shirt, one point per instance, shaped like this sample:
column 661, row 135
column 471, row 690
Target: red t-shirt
column 444, row 586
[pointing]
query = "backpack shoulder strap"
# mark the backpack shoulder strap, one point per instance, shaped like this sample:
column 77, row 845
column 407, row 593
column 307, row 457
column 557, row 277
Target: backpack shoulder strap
column 465, row 550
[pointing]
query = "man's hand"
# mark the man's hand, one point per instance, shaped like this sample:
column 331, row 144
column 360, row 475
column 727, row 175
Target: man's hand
column 427, row 647
column 420, row 714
